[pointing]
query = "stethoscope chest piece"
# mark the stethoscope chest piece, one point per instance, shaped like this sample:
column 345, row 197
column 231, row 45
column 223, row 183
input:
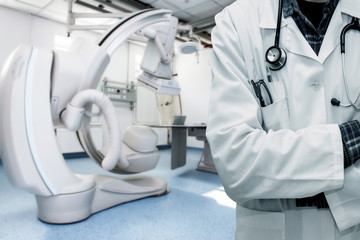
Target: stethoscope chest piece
column 275, row 58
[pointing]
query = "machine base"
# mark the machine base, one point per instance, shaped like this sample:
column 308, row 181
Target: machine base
column 108, row 192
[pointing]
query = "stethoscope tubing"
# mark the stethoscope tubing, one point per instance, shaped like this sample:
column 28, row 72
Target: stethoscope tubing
column 278, row 24
column 279, row 62
column 354, row 24
column 276, row 56
column 351, row 103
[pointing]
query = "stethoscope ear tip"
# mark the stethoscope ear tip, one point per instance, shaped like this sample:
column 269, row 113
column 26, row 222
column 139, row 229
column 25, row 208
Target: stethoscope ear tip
column 335, row 102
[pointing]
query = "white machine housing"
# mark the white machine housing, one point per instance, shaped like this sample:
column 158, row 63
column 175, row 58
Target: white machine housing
column 138, row 146
column 38, row 87
column 156, row 64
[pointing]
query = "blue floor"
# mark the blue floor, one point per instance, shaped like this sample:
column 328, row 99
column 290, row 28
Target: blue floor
column 195, row 208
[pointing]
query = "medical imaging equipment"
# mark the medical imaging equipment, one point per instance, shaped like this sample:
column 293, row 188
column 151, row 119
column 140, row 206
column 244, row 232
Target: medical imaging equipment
column 40, row 88
column 156, row 64
column 193, row 44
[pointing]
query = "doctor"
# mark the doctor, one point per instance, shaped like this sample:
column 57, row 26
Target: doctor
column 283, row 151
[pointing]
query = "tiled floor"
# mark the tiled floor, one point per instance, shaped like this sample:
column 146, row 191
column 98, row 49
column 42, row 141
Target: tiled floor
column 195, row 208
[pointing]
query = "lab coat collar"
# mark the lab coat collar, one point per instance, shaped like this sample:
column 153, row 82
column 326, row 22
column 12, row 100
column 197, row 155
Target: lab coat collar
column 295, row 42
column 269, row 11
column 350, row 7
column 268, row 15
column 334, row 29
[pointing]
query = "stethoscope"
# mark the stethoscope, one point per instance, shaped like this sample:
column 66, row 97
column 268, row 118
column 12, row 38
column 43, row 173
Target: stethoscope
column 354, row 24
column 276, row 57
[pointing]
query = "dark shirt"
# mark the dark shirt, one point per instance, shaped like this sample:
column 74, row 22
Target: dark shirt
column 311, row 18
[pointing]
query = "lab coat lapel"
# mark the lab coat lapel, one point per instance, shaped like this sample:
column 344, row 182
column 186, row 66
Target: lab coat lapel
column 332, row 36
column 268, row 15
column 291, row 39
column 295, row 42
column 350, row 7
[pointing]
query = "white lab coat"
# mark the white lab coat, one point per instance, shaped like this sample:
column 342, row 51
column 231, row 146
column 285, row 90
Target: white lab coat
column 292, row 148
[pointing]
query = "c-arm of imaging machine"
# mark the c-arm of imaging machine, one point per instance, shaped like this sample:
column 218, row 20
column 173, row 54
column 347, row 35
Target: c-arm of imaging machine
column 40, row 88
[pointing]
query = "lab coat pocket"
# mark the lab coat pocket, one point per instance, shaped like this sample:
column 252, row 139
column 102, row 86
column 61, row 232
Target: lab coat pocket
column 276, row 115
column 259, row 225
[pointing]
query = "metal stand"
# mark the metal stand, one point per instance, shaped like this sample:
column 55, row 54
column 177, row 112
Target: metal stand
column 206, row 161
column 108, row 192
column 178, row 147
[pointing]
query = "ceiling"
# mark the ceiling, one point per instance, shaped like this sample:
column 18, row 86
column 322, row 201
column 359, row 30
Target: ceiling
column 198, row 13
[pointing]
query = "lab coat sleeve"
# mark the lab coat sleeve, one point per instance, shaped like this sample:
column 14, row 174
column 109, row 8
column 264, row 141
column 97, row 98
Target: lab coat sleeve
column 253, row 163
column 344, row 203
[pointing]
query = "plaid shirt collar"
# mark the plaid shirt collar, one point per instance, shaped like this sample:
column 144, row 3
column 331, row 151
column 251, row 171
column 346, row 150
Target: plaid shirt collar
column 291, row 6
column 312, row 35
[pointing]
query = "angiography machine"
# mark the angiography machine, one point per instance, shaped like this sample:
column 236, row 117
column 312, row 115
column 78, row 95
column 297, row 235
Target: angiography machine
column 41, row 88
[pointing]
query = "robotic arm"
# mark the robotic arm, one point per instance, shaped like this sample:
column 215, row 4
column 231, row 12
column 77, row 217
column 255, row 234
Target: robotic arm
column 82, row 67
column 156, row 64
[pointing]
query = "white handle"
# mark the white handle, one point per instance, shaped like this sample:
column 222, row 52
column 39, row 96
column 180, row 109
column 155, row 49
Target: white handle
column 72, row 118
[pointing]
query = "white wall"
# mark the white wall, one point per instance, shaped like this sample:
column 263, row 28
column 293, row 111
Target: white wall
column 194, row 76
column 117, row 71
column 15, row 28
